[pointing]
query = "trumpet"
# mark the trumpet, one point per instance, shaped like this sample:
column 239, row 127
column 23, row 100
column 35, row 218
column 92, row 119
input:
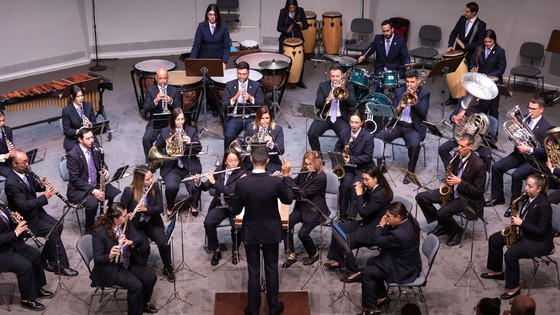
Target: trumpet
column 164, row 100
column 213, row 173
column 16, row 219
column 9, row 143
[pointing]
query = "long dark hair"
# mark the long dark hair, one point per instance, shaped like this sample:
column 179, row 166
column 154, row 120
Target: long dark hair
column 112, row 212
column 398, row 208
column 175, row 112
column 213, row 7
column 264, row 109
column 287, row 10
column 229, row 151
column 374, row 172
column 74, row 91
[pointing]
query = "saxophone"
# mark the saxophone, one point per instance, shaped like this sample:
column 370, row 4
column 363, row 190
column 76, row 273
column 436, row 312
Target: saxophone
column 339, row 169
column 445, row 190
column 9, row 143
column 511, row 233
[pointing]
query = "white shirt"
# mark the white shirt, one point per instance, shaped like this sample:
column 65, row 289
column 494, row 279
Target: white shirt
column 471, row 23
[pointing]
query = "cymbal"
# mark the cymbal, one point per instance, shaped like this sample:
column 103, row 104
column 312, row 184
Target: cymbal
column 332, row 57
column 418, row 65
column 273, row 64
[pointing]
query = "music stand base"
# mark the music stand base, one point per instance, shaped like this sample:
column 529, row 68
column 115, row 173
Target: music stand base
column 97, row 68
column 470, row 266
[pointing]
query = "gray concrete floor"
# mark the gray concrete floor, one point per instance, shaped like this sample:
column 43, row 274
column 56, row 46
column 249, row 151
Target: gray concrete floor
column 444, row 297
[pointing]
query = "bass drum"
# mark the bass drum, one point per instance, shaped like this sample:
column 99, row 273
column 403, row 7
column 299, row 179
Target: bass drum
column 375, row 122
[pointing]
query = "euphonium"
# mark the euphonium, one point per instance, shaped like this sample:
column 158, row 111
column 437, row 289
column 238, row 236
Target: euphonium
column 445, row 190
column 9, row 143
column 511, row 233
column 518, row 129
column 474, row 125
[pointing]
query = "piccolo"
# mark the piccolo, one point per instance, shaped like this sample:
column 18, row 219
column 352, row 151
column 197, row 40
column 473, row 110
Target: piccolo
column 213, row 173
column 16, row 220
column 42, row 182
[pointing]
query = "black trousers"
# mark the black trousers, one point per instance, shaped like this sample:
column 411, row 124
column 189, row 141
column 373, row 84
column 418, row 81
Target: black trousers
column 233, row 127
column 214, row 217
column 347, row 193
column 514, row 160
column 303, row 234
column 444, row 215
column 318, row 128
column 411, row 139
column 157, row 234
column 92, row 204
column 373, row 285
column 173, row 182
column 139, row 283
column 54, row 245
column 270, row 255
column 336, row 251
column 26, row 264
column 511, row 258
column 150, row 135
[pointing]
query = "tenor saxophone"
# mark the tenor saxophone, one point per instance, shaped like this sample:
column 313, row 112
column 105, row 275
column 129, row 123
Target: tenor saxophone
column 511, row 233
column 445, row 190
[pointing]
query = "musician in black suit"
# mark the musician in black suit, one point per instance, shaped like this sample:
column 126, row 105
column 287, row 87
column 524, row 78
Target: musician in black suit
column 258, row 193
column 398, row 237
column 534, row 221
column 390, row 51
column 490, row 59
column 466, row 193
column 75, row 115
column 356, row 147
column 524, row 157
column 242, row 91
column 147, row 218
column 291, row 21
column 410, row 124
column 21, row 192
column 333, row 112
column 311, row 212
column 174, row 171
column 264, row 130
column 87, row 170
column 212, row 39
column 553, row 196
column 154, row 103
column 224, row 187
column 6, row 136
column 114, row 257
column 373, row 195
column 23, row 260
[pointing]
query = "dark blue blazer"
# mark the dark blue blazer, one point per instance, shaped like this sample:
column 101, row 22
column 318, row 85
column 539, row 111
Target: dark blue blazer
column 190, row 163
column 473, row 39
column 152, row 92
column 418, row 112
column 361, row 150
column 155, row 205
column 345, row 106
column 71, row 122
column 78, row 171
column 283, row 24
column 312, row 188
column 536, row 229
column 371, row 207
column 398, row 53
column 215, row 46
column 5, row 167
column 494, row 65
column 24, row 200
column 278, row 138
column 253, row 88
column 473, row 182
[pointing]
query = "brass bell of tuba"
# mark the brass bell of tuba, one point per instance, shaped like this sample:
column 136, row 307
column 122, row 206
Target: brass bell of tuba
column 479, row 87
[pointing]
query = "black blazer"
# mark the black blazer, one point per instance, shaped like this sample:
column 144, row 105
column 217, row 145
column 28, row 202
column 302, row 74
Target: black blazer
column 152, row 92
column 228, row 189
column 278, row 138
column 312, row 188
column 190, row 163
column 473, row 39
column 539, row 131
column 398, row 54
column 155, row 205
column 10, row 243
column 24, row 199
column 419, row 112
column 361, row 150
column 400, row 254
column 215, row 46
column 71, row 122
column 253, row 88
column 283, row 24
column 494, row 65
column 536, row 228
column 473, row 181
column 78, row 171
column 371, row 207
column 259, row 194
column 6, row 166
column 345, row 106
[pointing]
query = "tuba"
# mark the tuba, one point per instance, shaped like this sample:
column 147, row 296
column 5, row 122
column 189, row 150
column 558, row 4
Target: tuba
column 511, row 233
column 445, row 190
column 479, row 87
column 518, row 129
column 175, row 147
column 474, row 125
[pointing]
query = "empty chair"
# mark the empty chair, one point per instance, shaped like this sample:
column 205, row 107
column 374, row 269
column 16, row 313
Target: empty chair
column 431, row 34
column 402, row 27
column 533, row 51
column 227, row 6
column 363, row 27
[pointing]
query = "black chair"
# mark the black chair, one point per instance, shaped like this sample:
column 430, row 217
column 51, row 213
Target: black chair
column 363, row 27
column 532, row 51
column 430, row 34
column 402, row 27
column 227, row 6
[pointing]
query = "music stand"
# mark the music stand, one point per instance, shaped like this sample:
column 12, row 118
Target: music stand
column 342, row 240
column 243, row 111
column 439, row 69
column 160, row 121
column 434, row 130
column 419, row 185
column 208, row 68
column 36, row 155
column 307, row 111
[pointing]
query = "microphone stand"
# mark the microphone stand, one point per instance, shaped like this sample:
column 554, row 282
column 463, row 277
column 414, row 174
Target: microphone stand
column 97, row 66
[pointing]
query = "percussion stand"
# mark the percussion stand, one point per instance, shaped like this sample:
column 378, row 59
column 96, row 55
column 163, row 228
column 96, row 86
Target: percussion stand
column 275, row 105
column 440, row 68
column 324, row 62
column 175, row 294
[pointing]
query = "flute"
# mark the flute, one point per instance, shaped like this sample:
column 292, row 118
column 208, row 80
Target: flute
column 213, row 173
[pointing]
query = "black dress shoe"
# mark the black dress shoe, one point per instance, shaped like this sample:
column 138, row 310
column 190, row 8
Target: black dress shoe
column 234, row 258
column 278, row 309
column 494, row 202
column 455, row 239
column 507, row 296
column 194, row 212
column 330, row 266
column 149, row 309
column 66, row 271
column 44, row 294
column 311, row 260
column 169, row 274
column 406, row 180
column 386, row 301
column 439, row 230
column 357, row 278
column 32, row 305
column 49, row 265
column 451, row 101
column 301, row 85
column 288, row 263
column 216, row 258
column 499, row 276
column 507, row 214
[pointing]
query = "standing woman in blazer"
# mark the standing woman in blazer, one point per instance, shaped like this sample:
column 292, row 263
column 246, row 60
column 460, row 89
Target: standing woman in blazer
column 74, row 115
column 291, row 22
column 313, row 187
column 211, row 39
column 147, row 220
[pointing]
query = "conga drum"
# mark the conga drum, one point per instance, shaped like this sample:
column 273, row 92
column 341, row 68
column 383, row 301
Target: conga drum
column 456, row 89
column 293, row 48
column 332, row 32
column 189, row 87
column 310, row 34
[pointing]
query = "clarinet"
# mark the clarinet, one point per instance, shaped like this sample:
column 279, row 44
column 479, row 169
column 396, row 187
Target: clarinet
column 102, row 181
column 16, row 220
column 40, row 180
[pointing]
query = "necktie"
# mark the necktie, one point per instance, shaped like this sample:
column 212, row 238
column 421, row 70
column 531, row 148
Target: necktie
column 406, row 114
column 467, row 24
column 334, row 109
column 80, row 111
column 91, row 169
column 523, row 212
column 212, row 28
column 387, row 47
column 244, row 89
column 26, row 181
column 125, row 252
column 531, row 123
column 487, row 53
column 459, row 174
column 222, row 197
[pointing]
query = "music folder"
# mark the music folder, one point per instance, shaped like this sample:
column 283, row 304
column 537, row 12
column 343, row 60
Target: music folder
column 193, row 148
column 119, row 173
column 433, row 129
column 381, row 110
column 100, row 127
column 307, row 110
column 160, row 120
column 445, row 66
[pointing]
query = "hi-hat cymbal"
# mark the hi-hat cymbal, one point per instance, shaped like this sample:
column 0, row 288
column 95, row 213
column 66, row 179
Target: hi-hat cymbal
column 418, row 65
column 273, row 64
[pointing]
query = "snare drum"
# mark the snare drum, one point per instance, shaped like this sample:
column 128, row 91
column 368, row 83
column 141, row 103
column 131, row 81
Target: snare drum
column 310, row 34
column 144, row 74
column 346, row 63
column 360, row 77
column 456, row 89
column 268, row 81
column 293, row 48
column 332, row 32
column 248, row 45
column 189, row 87
column 390, row 79
column 219, row 83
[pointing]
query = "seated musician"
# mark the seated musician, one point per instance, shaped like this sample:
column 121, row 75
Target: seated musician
column 463, row 193
column 333, row 113
column 242, row 91
column 554, row 196
column 266, row 132
column 87, row 170
column 224, row 187
column 312, row 184
column 115, row 250
column 398, row 237
column 373, row 195
column 409, row 125
column 75, row 115
column 21, row 192
column 390, row 51
column 6, row 146
column 23, row 260
column 159, row 98
column 490, row 59
column 144, row 203
column 524, row 157
column 356, row 146
column 173, row 171
column 531, row 225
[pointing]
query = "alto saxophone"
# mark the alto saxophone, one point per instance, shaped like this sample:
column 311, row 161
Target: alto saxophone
column 339, row 169
column 445, row 189
column 511, row 233
column 9, row 143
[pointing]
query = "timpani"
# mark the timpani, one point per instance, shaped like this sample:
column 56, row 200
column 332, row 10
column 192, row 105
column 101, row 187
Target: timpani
column 189, row 87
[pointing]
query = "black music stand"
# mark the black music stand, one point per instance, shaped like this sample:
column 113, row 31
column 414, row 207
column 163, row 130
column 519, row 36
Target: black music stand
column 243, row 111
column 208, row 67
column 342, row 240
column 160, row 120
column 307, row 111
column 419, row 185
column 386, row 112
column 36, row 155
column 439, row 69
column 337, row 159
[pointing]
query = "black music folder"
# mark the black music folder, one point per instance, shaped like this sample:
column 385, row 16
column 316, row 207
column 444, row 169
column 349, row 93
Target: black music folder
column 160, row 120
column 100, row 127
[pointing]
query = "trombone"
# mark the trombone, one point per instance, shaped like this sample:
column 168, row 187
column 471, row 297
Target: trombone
column 213, row 173
column 340, row 92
